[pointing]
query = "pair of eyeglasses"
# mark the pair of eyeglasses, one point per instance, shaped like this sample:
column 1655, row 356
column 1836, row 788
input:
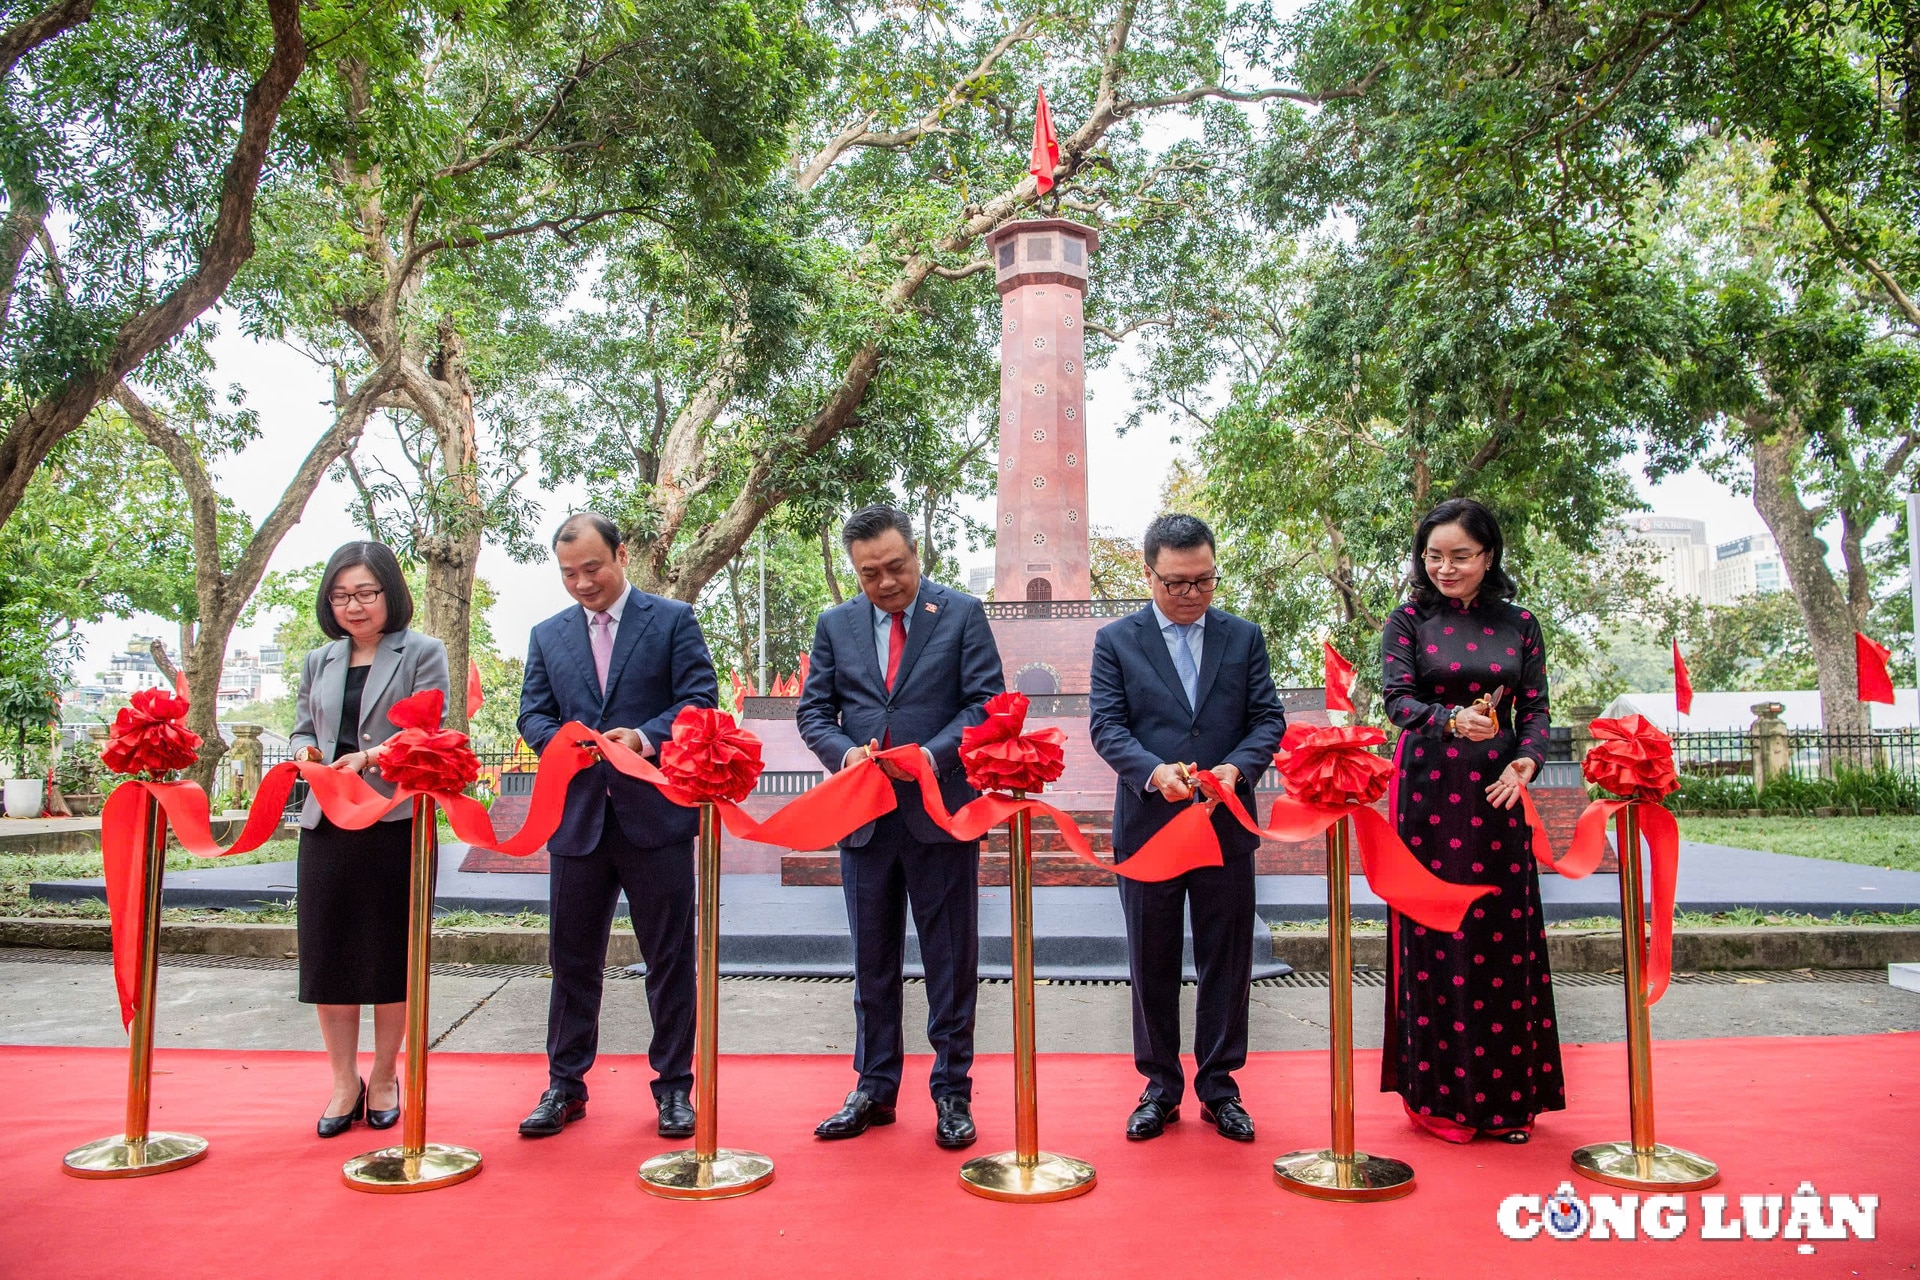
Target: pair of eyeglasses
column 365, row 595
column 1433, row 559
column 1186, row 586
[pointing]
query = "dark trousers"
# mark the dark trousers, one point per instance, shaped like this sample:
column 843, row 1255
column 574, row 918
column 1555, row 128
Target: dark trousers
column 942, row 883
column 584, row 891
column 1221, row 902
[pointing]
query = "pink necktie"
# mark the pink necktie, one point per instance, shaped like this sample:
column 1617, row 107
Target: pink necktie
column 602, row 630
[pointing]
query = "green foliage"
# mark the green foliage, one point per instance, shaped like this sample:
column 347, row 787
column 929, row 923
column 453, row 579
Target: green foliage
column 796, row 593
column 1759, row 643
column 1849, row 790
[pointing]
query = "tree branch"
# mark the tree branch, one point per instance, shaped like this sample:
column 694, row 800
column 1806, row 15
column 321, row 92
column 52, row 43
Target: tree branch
column 228, row 245
column 1352, row 89
column 1854, row 253
column 858, row 135
column 25, row 36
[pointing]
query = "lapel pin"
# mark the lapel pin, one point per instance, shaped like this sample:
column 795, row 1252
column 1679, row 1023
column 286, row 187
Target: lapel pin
column 932, row 607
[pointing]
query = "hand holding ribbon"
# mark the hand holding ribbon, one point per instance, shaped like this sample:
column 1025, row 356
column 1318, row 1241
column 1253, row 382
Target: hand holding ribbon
column 1632, row 758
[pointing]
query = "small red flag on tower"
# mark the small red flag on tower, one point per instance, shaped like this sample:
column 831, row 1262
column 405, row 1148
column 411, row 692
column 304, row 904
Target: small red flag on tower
column 1045, row 157
column 1870, row 660
column 476, row 696
column 1682, row 681
column 1339, row 679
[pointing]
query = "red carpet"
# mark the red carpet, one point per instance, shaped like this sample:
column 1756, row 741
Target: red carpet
column 1843, row 1113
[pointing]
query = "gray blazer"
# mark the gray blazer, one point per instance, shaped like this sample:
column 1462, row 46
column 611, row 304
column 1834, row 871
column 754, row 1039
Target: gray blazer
column 405, row 663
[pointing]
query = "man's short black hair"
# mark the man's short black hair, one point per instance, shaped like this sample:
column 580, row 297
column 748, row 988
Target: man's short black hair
column 379, row 560
column 1181, row 532
column 868, row 523
column 578, row 523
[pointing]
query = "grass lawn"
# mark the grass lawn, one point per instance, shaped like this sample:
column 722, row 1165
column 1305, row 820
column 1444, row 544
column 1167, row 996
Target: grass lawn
column 1892, row 841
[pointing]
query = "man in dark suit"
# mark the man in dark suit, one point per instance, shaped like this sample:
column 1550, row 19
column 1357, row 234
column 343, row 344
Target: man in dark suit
column 625, row 663
column 1177, row 686
column 905, row 661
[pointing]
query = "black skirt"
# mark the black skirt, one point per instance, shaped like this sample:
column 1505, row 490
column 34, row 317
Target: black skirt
column 352, row 912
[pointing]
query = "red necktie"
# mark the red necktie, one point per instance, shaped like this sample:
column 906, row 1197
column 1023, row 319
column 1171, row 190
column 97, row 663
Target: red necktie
column 896, row 645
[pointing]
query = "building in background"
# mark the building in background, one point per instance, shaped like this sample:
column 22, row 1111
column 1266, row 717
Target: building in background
column 980, row 580
column 1674, row 550
column 1743, row 567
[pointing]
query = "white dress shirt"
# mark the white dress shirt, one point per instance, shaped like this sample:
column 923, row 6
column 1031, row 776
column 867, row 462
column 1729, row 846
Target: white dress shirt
column 613, row 612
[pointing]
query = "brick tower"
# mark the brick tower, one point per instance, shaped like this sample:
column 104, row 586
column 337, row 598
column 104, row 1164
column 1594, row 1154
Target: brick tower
column 1041, row 531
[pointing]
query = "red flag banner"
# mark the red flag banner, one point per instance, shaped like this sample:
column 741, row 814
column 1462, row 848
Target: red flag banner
column 1870, row 661
column 1045, row 157
column 476, row 696
column 1339, row 678
column 1682, row 682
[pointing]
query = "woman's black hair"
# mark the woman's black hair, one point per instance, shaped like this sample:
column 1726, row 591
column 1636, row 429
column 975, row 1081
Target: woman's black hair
column 378, row 560
column 1479, row 524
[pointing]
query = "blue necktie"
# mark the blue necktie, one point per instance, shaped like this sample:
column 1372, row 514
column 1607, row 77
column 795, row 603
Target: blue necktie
column 1184, row 664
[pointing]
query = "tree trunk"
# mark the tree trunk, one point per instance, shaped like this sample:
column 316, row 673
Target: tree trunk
column 1831, row 617
column 451, row 556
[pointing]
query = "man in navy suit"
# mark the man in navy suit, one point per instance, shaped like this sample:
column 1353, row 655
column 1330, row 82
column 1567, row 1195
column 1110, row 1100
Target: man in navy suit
column 1177, row 686
column 906, row 661
column 625, row 663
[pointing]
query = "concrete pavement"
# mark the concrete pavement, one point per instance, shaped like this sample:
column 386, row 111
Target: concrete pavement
column 67, row 998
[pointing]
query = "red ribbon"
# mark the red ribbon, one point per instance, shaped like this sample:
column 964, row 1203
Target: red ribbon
column 1632, row 758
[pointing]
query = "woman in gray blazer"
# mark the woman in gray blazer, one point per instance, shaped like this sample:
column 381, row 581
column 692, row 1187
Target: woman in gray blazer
column 354, row 885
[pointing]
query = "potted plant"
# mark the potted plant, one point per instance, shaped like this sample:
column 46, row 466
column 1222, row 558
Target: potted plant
column 80, row 777
column 26, row 707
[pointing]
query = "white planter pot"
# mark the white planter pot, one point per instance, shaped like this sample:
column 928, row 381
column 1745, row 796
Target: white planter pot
column 26, row 797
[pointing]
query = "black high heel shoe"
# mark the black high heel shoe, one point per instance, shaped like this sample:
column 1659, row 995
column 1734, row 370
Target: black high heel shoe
column 385, row 1119
column 334, row 1126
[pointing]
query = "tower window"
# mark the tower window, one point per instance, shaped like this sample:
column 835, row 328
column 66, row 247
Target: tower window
column 1039, row 589
column 1006, row 254
column 1040, row 249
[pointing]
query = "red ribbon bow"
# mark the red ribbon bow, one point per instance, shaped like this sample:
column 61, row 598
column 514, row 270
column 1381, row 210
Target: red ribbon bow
column 710, row 757
column 151, row 737
column 1000, row 757
column 424, row 758
column 1632, row 758
column 1333, row 764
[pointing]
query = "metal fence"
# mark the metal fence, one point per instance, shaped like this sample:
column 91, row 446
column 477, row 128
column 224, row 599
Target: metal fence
column 1811, row 753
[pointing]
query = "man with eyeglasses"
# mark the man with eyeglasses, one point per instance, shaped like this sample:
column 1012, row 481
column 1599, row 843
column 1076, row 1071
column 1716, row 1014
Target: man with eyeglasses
column 1177, row 688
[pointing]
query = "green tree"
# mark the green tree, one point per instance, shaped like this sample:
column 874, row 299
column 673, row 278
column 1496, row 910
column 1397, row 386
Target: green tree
column 139, row 134
column 455, row 190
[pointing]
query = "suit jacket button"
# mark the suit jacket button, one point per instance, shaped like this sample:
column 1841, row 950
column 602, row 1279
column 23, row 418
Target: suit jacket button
column 1196, row 733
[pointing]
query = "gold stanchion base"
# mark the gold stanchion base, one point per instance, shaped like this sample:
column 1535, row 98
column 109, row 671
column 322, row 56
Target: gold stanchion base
column 115, row 1157
column 1661, row 1168
column 683, row 1175
column 1320, row 1175
column 1002, row 1176
column 395, row 1170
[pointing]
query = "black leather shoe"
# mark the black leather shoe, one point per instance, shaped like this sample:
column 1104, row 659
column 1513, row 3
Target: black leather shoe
column 1229, row 1118
column 385, row 1119
column 676, row 1114
column 334, row 1126
column 1151, row 1118
column 954, row 1126
column 855, row 1118
column 555, row 1112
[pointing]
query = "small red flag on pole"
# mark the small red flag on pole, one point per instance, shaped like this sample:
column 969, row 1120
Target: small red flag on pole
column 476, row 696
column 1339, row 677
column 1870, row 661
column 1045, row 157
column 1682, row 682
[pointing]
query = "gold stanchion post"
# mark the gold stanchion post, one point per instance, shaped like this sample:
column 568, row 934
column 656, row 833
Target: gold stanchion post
column 1339, row 1172
column 1026, row 1173
column 707, row 1171
column 416, row 1164
column 1639, row 1163
column 138, row 1151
